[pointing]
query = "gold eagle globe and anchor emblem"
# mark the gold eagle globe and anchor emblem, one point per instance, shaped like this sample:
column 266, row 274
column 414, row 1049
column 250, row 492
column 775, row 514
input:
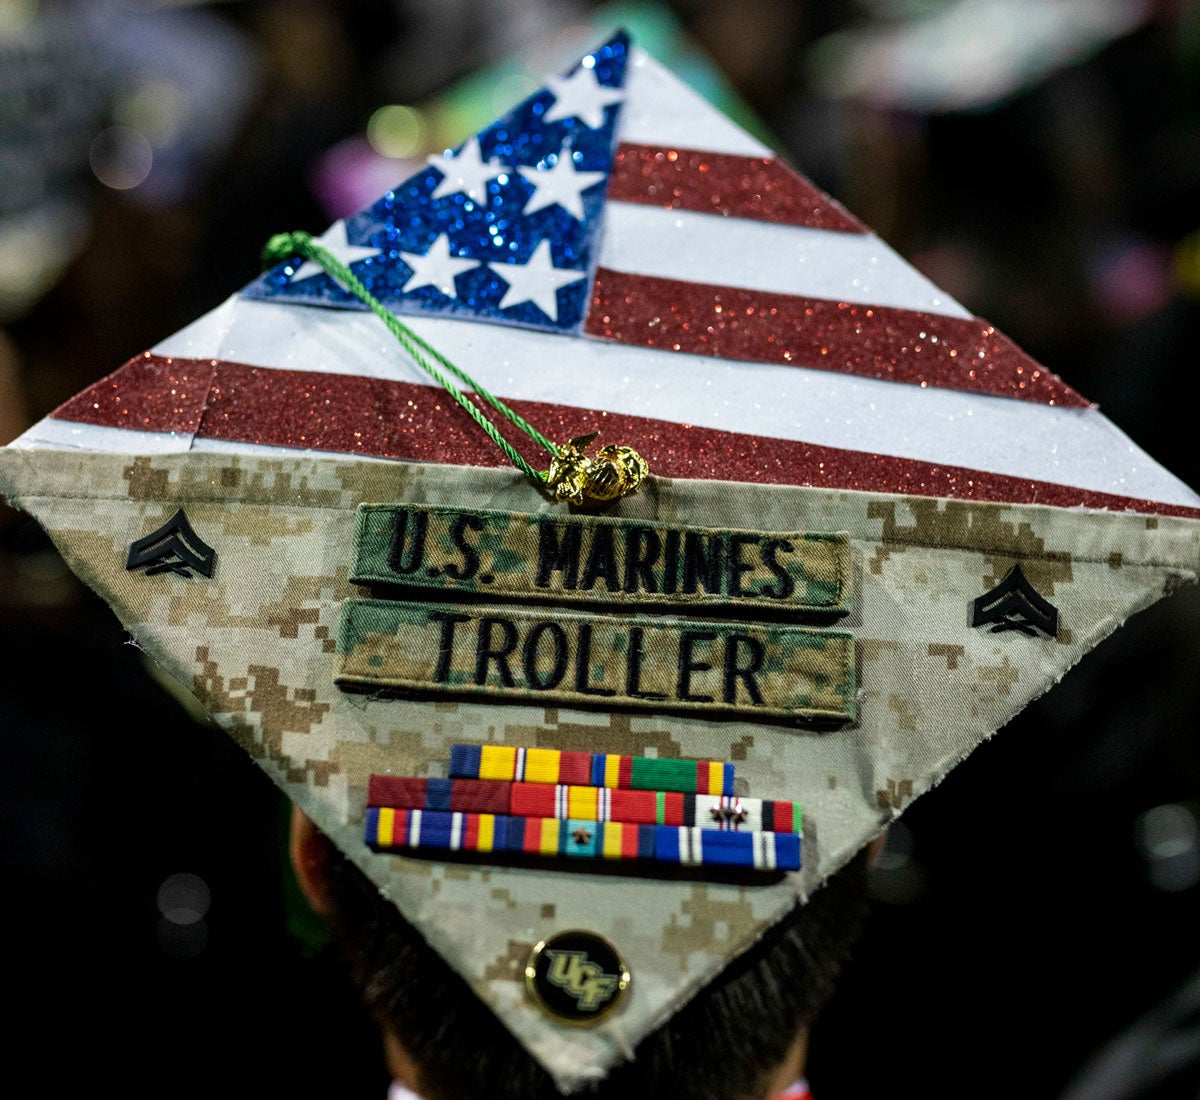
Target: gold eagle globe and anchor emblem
column 597, row 480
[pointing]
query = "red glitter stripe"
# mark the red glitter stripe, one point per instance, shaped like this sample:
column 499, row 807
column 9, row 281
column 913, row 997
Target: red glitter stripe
column 761, row 188
column 897, row 345
column 352, row 415
column 149, row 394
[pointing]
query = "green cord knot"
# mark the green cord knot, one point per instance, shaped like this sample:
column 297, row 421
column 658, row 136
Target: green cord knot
column 284, row 246
column 609, row 475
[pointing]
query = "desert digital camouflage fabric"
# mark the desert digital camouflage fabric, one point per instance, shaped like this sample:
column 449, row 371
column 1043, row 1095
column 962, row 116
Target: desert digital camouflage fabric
column 783, row 372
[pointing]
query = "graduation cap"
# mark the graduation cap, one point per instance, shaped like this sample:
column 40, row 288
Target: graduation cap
column 873, row 530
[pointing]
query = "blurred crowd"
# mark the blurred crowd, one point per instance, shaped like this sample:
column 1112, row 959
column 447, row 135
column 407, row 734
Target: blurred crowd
column 1035, row 919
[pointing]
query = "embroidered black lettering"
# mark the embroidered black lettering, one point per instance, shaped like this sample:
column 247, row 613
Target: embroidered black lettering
column 735, row 671
column 733, row 582
column 633, row 667
column 486, row 653
column 601, row 562
column 446, row 641
column 786, row 585
column 555, row 556
column 688, row 664
column 407, row 553
column 583, row 663
column 531, row 650
column 702, row 562
column 671, row 562
column 642, row 547
column 470, row 555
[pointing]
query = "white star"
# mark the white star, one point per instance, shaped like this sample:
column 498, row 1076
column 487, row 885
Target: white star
column 466, row 171
column 437, row 268
column 580, row 96
column 536, row 281
column 561, row 184
column 334, row 238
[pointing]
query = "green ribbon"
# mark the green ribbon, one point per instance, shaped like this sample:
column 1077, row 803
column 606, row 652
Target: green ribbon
column 287, row 246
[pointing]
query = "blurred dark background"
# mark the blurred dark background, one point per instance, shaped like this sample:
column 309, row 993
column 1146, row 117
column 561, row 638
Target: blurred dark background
column 1034, row 924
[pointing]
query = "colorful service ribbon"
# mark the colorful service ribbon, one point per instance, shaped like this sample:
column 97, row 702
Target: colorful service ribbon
column 389, row 829
column 585, row 803
column 505, row 762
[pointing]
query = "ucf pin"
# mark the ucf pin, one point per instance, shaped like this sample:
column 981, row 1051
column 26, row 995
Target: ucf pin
column 577, row 977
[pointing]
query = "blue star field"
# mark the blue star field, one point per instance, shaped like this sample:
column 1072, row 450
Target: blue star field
column 409, row 219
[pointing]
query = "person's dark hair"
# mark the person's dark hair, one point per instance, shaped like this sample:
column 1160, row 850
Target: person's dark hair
column 723, row 1045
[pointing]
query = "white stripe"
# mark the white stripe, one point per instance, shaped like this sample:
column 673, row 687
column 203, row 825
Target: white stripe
column 683, row 846
column 414, row 828
column 606, row 801
column 754, row 814
column 520, row 773
column 456, row 827
column 560, row 801
column 660, row 109
column 780, row 259
column 1077, row 447
column 769, row 849
column 229, row 446
column 68, row 435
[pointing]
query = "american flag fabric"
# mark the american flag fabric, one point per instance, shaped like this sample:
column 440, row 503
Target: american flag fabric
column 615, row 254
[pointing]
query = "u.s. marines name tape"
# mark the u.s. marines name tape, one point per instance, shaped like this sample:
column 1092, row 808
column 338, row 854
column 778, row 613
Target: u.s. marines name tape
column 571, row 657
column 596, row 559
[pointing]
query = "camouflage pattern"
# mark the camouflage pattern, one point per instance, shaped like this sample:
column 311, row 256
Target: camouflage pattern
column 256, row 644
column 602, row 560
column 660, row 663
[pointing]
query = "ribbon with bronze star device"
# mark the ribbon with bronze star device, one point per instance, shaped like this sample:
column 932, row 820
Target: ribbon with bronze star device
column 388, row 830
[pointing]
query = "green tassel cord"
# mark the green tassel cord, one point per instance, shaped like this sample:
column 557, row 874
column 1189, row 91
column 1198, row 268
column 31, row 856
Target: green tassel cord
column 573, row 477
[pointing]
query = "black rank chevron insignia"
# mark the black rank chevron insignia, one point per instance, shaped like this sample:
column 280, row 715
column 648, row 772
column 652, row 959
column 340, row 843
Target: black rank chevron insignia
column 173, row 548
column 1014, row 604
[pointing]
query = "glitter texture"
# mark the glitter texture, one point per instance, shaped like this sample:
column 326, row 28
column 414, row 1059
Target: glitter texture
column 898, row 345
column 151, row 393
column 715, row 183
column 497, row 232
column 351, row 414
